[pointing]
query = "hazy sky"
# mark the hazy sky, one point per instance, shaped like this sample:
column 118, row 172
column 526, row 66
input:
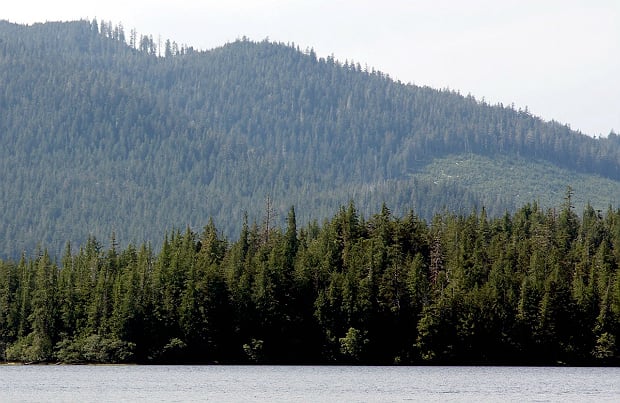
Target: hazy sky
column 560, row 58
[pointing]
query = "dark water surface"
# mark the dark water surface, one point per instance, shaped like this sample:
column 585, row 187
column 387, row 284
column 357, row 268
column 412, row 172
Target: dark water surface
column 132, row 383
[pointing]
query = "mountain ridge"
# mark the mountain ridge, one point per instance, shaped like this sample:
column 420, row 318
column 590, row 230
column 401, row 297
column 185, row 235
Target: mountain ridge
column 103, row 136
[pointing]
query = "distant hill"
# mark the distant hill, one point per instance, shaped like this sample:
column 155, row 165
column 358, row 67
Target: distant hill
column 104, row 132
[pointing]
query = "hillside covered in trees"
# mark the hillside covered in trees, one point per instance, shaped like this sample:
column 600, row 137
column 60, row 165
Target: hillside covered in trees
column 105, row 131
column 535, row 287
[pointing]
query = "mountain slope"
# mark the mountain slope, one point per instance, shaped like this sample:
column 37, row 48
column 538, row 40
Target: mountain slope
column 100, row 136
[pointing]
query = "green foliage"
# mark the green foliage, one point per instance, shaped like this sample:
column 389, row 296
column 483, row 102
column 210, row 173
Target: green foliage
column 536, row 287
column 254, row 350
column 605, row 347
column 94, row 349
column 352, row 344
column 507, row 181
column 100, row 134
column 32, row 348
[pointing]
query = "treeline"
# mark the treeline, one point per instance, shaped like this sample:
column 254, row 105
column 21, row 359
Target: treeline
column 535, row 287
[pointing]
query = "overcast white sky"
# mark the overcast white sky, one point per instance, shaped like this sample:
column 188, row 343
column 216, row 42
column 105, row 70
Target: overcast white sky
column 560, row 58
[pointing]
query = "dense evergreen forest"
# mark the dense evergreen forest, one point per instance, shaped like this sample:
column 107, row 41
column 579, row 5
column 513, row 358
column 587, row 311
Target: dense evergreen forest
column 107, row 131
column 536, row 287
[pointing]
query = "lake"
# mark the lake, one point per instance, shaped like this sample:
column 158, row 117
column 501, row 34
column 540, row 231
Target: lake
column 306, row 383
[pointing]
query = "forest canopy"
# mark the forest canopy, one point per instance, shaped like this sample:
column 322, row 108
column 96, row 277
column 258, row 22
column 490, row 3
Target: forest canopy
column 106, row 130
column 534, row 287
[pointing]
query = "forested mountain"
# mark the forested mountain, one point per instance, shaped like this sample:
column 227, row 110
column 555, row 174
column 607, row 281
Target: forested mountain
column 104, row 132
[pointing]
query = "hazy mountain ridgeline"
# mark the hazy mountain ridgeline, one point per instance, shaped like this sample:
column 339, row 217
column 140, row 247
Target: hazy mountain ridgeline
column 107, row 131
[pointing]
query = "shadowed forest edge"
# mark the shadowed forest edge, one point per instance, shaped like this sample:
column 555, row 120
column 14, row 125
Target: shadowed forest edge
column 535, row 287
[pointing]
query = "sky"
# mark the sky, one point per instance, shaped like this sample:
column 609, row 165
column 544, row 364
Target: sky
column 558, row 58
